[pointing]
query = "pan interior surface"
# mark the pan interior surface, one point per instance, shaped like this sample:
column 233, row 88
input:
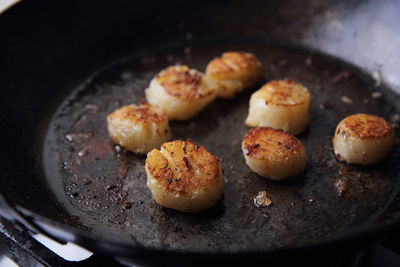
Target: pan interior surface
column 106, row 189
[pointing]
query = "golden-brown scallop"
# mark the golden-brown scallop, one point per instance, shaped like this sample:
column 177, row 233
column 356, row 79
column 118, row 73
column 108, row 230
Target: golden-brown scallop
column 233, row 72
column 282, row 104
column 273, row 153
column 139, row 128
column 184, row 176
column 181, row 91
column 363, row 139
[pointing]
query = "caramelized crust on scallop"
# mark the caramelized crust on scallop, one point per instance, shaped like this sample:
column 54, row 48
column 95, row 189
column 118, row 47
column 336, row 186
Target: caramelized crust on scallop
column 364, row 126
column 139, row 128
column 234, row 65
column 181, row 82
column 233, row 72
column 363, row 139
column 284, row 93
column 138, row 114
column 183, row 167
column 264, row 142
column 273, row 153
column 181, row 91
column 184, row 176
column 282, row 105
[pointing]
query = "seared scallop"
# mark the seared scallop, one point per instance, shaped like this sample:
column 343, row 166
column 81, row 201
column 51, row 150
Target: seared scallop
column 363, row 139
column 233, row 72
column 139, row 128
column 273, row 153
column 184, row 176
column 282, row 105
column 181, row 91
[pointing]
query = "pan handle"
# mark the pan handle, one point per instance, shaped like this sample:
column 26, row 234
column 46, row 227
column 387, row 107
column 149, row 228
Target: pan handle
column 26, row 222
column 33, row 225
column 11, row 214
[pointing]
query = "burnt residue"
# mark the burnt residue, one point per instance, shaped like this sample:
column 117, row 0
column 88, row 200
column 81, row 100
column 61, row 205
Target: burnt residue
column 341, row 186
column 262, row 200
column 187, row 163
column 91, row 182
column 326, row 105
column 105, row 185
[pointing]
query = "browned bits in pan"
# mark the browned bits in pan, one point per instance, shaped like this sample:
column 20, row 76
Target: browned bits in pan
column 262, row 199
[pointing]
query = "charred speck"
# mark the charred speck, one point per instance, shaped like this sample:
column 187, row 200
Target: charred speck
column 127, row 205
column 166, row 166
column 110, row 187
column 341, row 186
column 288, row 147
column 249, row 149
column 169, row 180
column 187, row 163
column 86, row 181
column 344, row 133
column 326, row 105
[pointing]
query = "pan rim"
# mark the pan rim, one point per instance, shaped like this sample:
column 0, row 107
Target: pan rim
column 34, row 222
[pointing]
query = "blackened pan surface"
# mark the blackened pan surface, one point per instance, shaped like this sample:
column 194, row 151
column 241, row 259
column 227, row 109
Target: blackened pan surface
column 106, row 187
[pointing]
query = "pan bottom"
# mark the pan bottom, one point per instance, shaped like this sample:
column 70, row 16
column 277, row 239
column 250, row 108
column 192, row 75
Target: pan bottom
column 105, row 186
